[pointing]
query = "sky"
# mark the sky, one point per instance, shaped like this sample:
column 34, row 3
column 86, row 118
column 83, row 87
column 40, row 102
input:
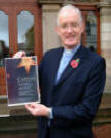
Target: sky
column 25, row 21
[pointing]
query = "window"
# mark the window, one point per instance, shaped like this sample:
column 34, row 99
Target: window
column 91, row 35
column 20, row 29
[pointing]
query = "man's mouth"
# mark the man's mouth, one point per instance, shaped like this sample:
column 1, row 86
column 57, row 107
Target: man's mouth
column 70, row 38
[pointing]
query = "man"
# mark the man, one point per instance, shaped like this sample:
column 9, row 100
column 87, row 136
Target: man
column 72, row 80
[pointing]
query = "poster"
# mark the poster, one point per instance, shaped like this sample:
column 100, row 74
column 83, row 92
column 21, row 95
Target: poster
column 22, row 80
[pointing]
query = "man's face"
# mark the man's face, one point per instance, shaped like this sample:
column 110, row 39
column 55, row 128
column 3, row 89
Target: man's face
column 70, row 28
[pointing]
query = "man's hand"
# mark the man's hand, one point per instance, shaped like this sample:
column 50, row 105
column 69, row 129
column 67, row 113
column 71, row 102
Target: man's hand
column 19, row 54
column 38, row 109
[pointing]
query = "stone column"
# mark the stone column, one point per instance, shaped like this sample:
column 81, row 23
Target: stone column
column 50, row 38
column 106, row 40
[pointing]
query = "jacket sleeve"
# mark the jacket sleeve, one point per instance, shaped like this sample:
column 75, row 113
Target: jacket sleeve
column 87, row 108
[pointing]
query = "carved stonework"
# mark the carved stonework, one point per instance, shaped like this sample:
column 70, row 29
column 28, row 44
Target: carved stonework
column 65, row 1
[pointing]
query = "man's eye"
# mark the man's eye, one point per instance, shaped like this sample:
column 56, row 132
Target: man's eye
column 64, row 26
column 74, row 25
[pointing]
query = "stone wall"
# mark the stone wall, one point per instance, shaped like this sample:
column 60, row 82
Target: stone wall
column 106, row 41
column 50, row 38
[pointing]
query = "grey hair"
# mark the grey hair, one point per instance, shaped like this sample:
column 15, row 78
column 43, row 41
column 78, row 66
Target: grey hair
column 69, row 7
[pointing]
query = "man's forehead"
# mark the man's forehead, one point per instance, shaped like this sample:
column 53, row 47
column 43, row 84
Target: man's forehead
column 68, row 12
column 66, row 15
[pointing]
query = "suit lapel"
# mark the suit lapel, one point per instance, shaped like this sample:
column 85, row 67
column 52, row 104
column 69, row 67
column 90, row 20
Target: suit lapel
column 55, row 66
column 69, row 69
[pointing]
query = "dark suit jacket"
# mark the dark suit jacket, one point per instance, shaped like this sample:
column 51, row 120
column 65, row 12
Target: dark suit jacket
column 76, row 97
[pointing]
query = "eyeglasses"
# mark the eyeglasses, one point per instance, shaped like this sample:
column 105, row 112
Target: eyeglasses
column 71, row 26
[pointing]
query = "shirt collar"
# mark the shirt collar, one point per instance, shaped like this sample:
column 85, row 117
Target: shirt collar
column 71, row 51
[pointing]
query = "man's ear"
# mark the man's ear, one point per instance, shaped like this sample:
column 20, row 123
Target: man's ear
column 82, row 27
column 57, row 30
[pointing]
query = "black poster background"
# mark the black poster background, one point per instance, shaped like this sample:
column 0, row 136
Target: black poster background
column 22, row 87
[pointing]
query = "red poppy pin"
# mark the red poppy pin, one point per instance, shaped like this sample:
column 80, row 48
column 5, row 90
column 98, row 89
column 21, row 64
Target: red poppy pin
column 75, row 63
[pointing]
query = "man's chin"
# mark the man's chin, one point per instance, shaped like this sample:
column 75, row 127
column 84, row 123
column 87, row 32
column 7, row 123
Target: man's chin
column 70, row 45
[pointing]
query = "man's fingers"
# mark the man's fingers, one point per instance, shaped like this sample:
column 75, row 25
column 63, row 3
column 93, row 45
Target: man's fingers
column 32, row 109
column 19, row 54
column 29, row 108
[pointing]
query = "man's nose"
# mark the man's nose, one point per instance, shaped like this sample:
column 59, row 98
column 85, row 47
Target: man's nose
column 69, row 29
